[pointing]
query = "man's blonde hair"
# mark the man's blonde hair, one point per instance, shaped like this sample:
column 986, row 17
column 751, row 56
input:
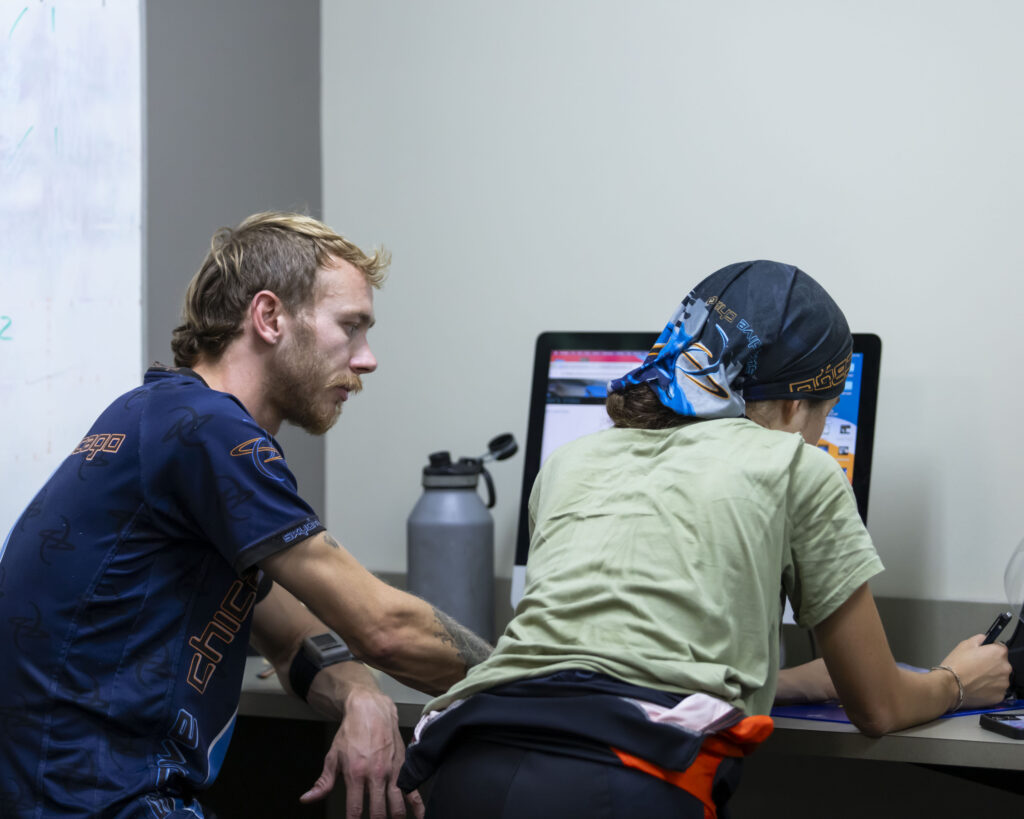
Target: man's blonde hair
column 274, row 251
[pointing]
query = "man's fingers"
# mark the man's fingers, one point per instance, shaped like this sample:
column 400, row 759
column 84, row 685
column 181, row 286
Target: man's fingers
column 320, row 788
column 396, row 803
column 378, row 802
column 323, row 784
column 353, row 800
column 415, row 802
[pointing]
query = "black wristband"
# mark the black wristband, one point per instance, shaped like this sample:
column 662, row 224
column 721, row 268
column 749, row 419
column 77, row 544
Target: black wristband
column 301, row 674
column 315, row 654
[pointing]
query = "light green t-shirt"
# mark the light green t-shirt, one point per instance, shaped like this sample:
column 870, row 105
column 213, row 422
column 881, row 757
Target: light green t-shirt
column 660, row 557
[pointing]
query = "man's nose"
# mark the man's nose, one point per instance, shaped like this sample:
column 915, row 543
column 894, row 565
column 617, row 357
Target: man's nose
column 364, row 361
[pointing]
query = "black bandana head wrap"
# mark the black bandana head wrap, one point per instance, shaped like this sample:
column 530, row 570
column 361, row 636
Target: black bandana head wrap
column 753, row 331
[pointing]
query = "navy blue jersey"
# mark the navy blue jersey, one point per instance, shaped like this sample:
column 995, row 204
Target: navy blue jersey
column 126, row 596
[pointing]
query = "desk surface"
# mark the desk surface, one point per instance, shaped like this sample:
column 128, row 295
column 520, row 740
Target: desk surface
column 954, row 741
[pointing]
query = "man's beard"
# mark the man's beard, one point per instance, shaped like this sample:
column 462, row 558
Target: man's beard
column 299, row 385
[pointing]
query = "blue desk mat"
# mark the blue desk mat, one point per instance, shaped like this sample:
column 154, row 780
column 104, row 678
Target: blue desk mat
column 834, row 712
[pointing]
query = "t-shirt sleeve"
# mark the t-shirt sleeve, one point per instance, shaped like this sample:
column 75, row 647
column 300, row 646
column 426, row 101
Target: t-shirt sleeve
column 830, row 552
column 533, row 504
column 212, row 474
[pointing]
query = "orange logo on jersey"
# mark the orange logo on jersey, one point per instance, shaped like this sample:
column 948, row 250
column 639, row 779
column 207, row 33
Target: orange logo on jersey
column 223, row 626
column 95, row 444
column 262, row 453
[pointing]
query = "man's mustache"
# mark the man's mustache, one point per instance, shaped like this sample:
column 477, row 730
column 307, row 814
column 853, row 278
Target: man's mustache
column 352, row 383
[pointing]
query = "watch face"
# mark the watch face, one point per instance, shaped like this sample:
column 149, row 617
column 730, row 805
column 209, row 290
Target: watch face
column 324, row 641
column 327, row 648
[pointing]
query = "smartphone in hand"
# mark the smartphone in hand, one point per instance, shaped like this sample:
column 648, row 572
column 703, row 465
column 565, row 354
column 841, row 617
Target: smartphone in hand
column 1009, row 725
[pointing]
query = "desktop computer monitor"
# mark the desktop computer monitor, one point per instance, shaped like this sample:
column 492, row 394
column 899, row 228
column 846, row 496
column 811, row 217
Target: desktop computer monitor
column 570, row 376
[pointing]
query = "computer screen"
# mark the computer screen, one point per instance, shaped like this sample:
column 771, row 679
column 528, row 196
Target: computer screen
column 571, row 372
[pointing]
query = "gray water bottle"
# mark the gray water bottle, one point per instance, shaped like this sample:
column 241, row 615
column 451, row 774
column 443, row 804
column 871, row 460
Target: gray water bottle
column 450, row 538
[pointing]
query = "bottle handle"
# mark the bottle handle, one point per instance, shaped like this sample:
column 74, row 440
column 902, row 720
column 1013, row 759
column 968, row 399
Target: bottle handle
column 490, row 486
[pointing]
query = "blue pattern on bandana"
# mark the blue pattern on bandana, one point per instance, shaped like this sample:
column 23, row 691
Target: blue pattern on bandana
column 754, row 330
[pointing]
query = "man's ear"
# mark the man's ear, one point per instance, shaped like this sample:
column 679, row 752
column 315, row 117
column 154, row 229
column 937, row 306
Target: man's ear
column 268, row 316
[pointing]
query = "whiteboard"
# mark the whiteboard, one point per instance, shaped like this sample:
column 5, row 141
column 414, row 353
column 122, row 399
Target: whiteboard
column 70, row 228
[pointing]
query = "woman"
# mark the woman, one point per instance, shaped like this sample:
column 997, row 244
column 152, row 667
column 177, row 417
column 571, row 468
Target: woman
column 643, row 658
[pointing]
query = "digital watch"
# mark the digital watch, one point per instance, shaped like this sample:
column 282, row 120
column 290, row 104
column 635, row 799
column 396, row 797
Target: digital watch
column 315, row 654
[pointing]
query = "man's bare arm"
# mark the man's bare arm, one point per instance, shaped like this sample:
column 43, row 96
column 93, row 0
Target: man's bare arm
column 472, row 650
column 389, row 629
column 279, row 625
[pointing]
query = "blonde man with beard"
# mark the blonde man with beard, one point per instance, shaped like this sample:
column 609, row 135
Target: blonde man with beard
column 182, row 536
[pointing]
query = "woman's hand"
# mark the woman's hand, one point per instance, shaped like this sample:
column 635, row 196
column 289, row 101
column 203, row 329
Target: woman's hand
column 809, row 682
column 984, row 671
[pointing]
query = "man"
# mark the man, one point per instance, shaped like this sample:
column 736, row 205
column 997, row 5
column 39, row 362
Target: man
column 130, row 585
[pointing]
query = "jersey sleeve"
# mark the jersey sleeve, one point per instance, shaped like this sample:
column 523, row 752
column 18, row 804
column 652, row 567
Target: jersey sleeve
column 211, row 473
column 263, row 586
column 830, row 552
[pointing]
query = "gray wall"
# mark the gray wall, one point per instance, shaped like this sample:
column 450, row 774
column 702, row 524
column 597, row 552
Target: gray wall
column 581, row 164
column 232, row 126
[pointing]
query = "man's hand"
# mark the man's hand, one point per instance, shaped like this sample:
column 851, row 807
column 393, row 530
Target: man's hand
column 368, row 752
column 367, row 749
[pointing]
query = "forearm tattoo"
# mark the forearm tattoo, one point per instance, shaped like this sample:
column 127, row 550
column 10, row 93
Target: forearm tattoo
column 472, row 650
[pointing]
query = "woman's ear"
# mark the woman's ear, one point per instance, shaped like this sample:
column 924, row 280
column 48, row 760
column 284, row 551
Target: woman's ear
column 788, row 410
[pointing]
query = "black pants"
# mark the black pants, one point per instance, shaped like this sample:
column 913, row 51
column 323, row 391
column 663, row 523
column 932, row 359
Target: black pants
column 486, row 780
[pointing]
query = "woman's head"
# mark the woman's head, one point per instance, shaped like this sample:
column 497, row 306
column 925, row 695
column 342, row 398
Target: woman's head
column 754, row 331
column 804, row 415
